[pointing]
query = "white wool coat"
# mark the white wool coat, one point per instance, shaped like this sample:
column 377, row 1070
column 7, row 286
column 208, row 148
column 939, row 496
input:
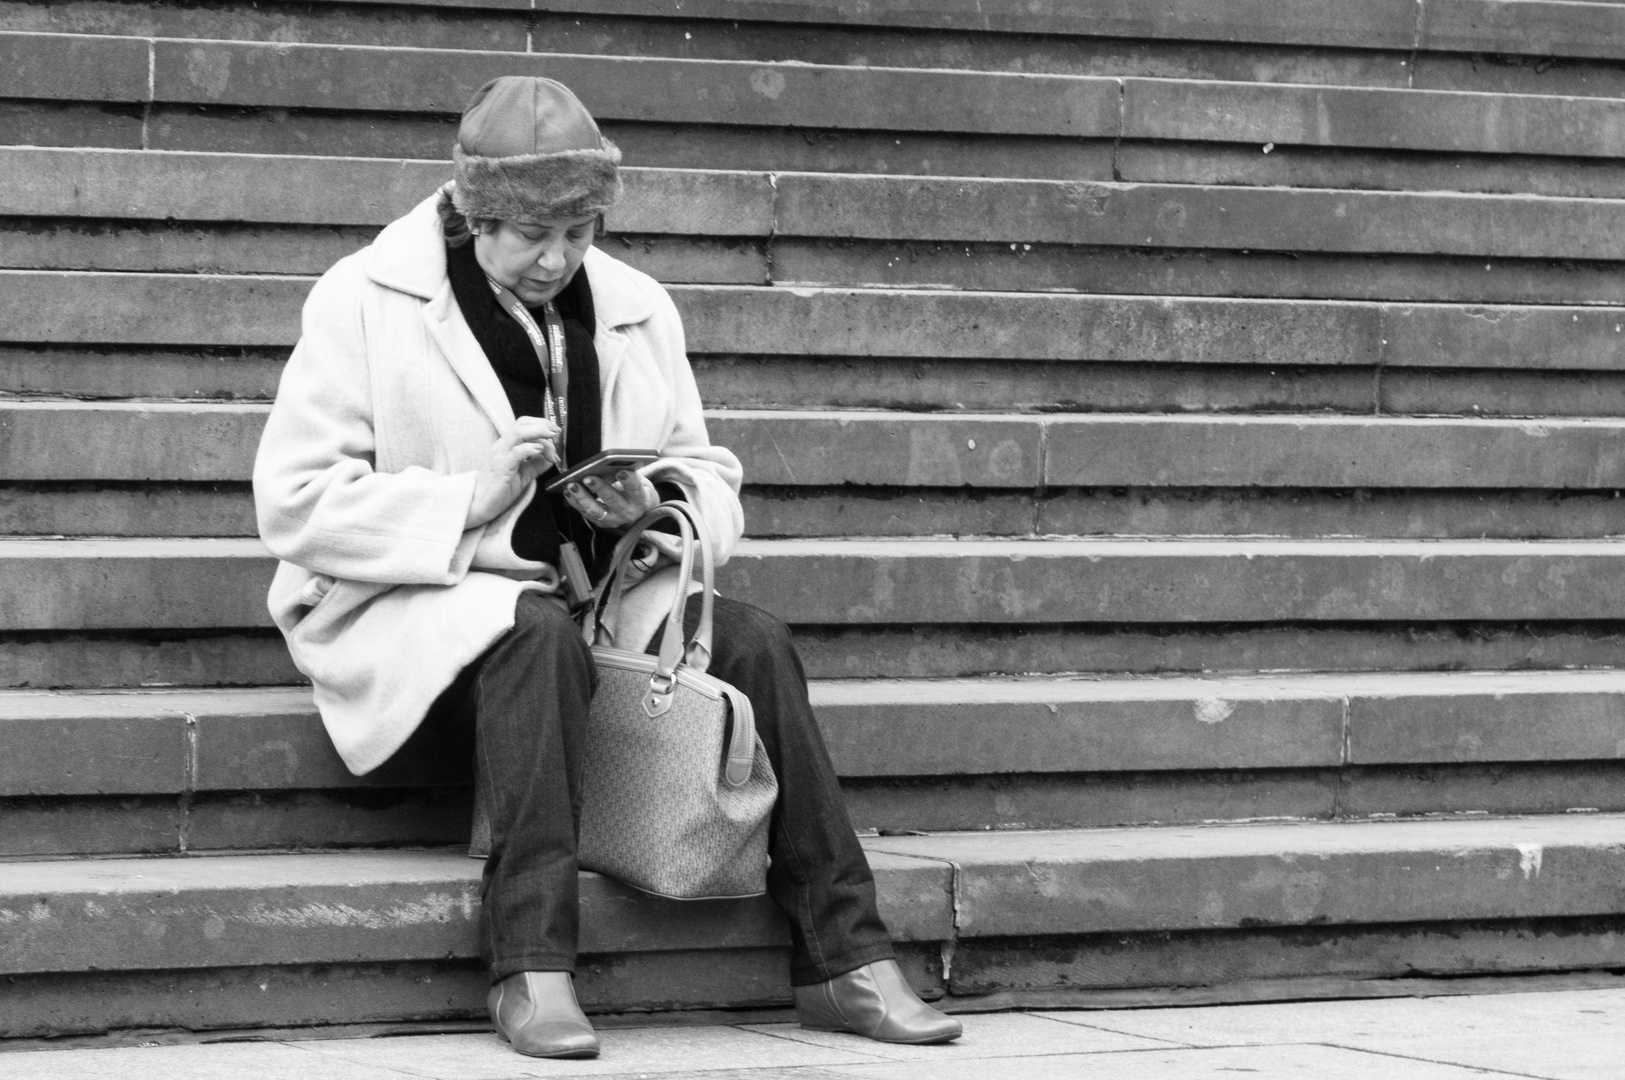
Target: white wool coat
column 385, row 412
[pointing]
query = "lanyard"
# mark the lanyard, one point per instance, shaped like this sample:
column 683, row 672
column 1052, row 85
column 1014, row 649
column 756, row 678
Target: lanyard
column 549, row 353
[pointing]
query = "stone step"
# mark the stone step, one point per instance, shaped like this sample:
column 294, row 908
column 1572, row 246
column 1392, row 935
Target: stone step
column 209, row 770
column 226, row 509
column 1474, row 26
column 82, row 308
column 960, row 382
column 977, row 913
column 219, row 584
column 641, row 90
column 198, row 442
column 318, row 191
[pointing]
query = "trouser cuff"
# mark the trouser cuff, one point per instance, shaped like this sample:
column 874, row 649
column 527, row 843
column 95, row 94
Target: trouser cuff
column 809, row 974
column 501, row 969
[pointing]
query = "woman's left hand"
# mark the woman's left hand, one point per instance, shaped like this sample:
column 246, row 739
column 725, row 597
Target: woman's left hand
column 613, row 506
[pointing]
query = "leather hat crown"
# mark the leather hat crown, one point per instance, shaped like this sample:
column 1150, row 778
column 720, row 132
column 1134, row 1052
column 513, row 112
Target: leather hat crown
column 528, row 150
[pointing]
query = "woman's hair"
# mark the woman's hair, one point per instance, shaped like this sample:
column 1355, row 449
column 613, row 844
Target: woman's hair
column 459, row 230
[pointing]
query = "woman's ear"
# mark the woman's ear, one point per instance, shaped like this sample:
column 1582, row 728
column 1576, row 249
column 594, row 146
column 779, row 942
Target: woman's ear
column 599, row 228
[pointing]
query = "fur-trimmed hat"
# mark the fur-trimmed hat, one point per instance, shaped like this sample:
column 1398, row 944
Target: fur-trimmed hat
column 528, row 150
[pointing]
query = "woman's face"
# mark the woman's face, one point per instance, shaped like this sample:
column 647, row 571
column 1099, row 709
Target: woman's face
column 535, row 259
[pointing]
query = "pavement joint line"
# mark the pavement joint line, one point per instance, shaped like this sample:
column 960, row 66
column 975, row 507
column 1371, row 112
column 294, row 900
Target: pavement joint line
column 1417, row 1057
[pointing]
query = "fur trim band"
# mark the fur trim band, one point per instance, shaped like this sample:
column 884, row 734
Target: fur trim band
column 536, row 187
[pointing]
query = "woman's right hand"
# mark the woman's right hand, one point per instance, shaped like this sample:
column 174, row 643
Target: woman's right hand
column 522, row 454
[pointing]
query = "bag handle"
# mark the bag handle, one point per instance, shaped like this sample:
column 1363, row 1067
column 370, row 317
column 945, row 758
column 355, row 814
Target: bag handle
column 601, row 615
column 599, row 618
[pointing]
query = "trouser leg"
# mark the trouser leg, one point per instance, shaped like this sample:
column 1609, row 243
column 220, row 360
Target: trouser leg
column 819, row 875
column 527, row 702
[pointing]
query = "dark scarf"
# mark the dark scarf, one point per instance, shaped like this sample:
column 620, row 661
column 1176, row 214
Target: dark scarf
column 548, row 521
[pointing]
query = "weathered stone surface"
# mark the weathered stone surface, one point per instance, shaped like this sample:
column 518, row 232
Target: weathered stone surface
column 235, row 910
column 1246, row 962
column 1299, row 513
column 114, row 584
column 1365, row 23
column 378, row 906
column 95, row 661
column 635, row 88
column 271, row 739
column 145, row 510
column 90, row 825
column 1365, row 169
column 72, row 744
column 69, row 440
column 151, row 309
column 1495, row 337
column 1024, row 582
column 904, row 728
column 1105, row 881
column 133, row 584
column 1372, row 117
column 72, row 67
column 1106, row 800
column 175, row 309
column 1182, row 216
column 1522, row 26
column 55, row 440
column 1521, row 716
column 1332, row 452
column 312, row 190
column 870, row 448
column 1010, row 326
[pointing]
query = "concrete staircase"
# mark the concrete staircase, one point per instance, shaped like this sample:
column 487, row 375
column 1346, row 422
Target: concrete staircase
column 1187, row 439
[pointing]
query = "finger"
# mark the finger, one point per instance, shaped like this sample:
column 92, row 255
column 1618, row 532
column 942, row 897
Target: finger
column 585, row 504
column 536, row 427
column 608, row 495
column 529, row 429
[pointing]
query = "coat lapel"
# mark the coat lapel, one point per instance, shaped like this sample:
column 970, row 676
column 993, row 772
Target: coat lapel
column 619, row 300
column 446, row 325
column 410, row 256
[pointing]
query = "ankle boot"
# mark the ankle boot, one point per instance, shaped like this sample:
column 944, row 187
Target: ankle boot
column 877, row 1002
column 537, row 1012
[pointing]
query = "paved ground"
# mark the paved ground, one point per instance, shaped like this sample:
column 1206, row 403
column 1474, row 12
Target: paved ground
column 1556, row 1035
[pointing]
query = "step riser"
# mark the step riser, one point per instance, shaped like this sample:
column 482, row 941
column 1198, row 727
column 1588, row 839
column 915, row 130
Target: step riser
column 252, row 770
column 162, row 189
column 427, row 81
column 158, row 309
column 71, row 586
column 758, row 382
column 47, row 660
column 68, row 441
column 373, row 818
column 1231, row 966
column 226, row 510
column 979, row 266
column 1345, row 957
column 36, row 1006
column 1386, row 24
column 70, row 124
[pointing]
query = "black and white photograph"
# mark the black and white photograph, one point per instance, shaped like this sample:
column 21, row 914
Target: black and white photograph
column 812, row 539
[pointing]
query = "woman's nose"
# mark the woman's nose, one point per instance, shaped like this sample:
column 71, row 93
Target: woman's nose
column 552, row 259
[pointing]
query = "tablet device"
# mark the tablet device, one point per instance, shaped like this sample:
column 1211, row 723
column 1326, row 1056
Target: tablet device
column 604, row 465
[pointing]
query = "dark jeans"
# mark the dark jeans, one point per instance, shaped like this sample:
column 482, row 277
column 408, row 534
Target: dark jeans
column 526, row 700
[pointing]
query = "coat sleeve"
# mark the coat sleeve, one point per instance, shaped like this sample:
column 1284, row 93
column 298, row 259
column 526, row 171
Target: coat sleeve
column 709, row 475
column 320, row 503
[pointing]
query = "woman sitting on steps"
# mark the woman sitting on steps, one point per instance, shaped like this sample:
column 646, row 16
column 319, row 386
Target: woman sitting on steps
column 397, row 482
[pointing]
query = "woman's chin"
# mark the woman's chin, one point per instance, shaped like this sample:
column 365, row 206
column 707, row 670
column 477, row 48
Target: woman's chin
column 531, row 295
